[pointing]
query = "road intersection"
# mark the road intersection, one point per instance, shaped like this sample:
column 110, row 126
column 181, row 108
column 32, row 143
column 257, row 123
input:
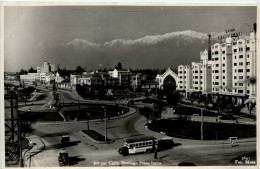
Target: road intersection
column 84, row 152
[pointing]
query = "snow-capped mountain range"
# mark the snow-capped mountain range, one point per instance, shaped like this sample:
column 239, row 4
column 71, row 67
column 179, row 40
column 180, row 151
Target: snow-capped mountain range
column 185, row 36
column 158, row 51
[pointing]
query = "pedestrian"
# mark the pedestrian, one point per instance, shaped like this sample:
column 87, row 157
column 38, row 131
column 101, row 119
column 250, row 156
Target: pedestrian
column 155, row 154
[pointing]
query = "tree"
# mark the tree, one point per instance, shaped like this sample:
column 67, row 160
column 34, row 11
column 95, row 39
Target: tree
column 79, row 69
column 192, row 97
column 173, row 98
column 32, row 70
column 119, row 65
column 146, row 112
column 206, row 100
column 159, row 94
column 22, row 72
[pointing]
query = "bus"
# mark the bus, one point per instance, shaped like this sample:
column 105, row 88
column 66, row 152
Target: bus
column 146, row 144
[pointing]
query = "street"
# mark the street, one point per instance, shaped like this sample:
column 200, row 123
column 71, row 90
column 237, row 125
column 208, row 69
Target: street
column 84, row 152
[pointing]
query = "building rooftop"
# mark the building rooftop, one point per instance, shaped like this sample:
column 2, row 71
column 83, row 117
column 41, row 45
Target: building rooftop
column 149, row 82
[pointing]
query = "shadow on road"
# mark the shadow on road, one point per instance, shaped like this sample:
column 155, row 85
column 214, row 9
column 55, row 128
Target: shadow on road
column 113, row 127
column 163, row 147
column 135, row 135
column 75, row 159
column 54, row 134
column 164, row 156
column 60, row 146
column 176, row 144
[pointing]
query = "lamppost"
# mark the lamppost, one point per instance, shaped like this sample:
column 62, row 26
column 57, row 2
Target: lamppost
column 29, row 114
column 88, row 114
column 201, row 127
column 78, row 102
column 105, row 116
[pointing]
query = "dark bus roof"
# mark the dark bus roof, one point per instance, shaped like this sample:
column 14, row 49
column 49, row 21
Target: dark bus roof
column 138, row 139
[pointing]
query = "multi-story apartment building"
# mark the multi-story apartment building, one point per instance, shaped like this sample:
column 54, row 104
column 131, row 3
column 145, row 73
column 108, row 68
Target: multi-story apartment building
column 44, row 74
column 37, row 77
column 206, row 72
column 184, row 77
column 222, row 67
column 187, row 79
column 244, row 65
column 230, row 71
column 216, row 67
column 251, row 62
column 181, row 79
column 197, row 79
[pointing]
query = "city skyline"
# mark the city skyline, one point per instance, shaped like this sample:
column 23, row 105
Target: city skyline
column 102, row 37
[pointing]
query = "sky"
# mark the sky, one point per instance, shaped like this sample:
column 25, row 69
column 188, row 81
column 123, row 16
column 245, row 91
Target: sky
column 29, row 32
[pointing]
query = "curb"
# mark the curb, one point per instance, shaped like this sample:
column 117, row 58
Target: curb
column 28, row 154
column 93, row 120
column 95, row 141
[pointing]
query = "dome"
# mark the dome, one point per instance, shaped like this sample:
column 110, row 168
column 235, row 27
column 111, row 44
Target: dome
column 229, row 40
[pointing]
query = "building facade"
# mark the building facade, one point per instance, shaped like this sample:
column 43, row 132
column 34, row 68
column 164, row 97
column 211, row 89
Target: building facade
column 231, row 69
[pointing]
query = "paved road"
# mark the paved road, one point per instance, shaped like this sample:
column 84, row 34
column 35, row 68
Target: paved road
column 84, row 152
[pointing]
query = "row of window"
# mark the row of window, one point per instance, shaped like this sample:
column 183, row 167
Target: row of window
column 141, row 144
column 241, row 70
column 217, row 77
column 240, row 77
column 239, row 84
column 217, row 83
column 196, row 82
column 241, row 63
column 217, row 71
column 196, row 88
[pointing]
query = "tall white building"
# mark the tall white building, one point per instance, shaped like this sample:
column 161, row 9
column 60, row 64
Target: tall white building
column 44, row 74
column 222, row 67
column 206, row 72
column 181, row 80
column 216, row 67
column 230, row 71
column 244, row 65
column 197, row 79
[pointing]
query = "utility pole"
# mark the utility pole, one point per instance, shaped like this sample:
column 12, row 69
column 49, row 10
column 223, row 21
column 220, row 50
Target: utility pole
column 12, row 130
column 201, row 128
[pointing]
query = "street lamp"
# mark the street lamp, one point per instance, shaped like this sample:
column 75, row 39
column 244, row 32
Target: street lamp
column 78, row 102
column 201, row 128
column 29, row 114
column 105, row 116
column 88, row 114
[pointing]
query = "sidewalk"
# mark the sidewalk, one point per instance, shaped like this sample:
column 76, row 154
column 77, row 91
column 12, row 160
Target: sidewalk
column 37, row 147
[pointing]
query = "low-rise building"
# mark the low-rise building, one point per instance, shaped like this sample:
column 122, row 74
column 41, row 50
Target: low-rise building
column 136, row 80
column 148, row 85
column 123, row 76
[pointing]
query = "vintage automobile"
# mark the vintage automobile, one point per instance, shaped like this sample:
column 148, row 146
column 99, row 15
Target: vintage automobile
column 63, row 158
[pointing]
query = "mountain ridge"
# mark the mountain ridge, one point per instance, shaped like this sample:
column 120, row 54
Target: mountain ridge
column 187, row 35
